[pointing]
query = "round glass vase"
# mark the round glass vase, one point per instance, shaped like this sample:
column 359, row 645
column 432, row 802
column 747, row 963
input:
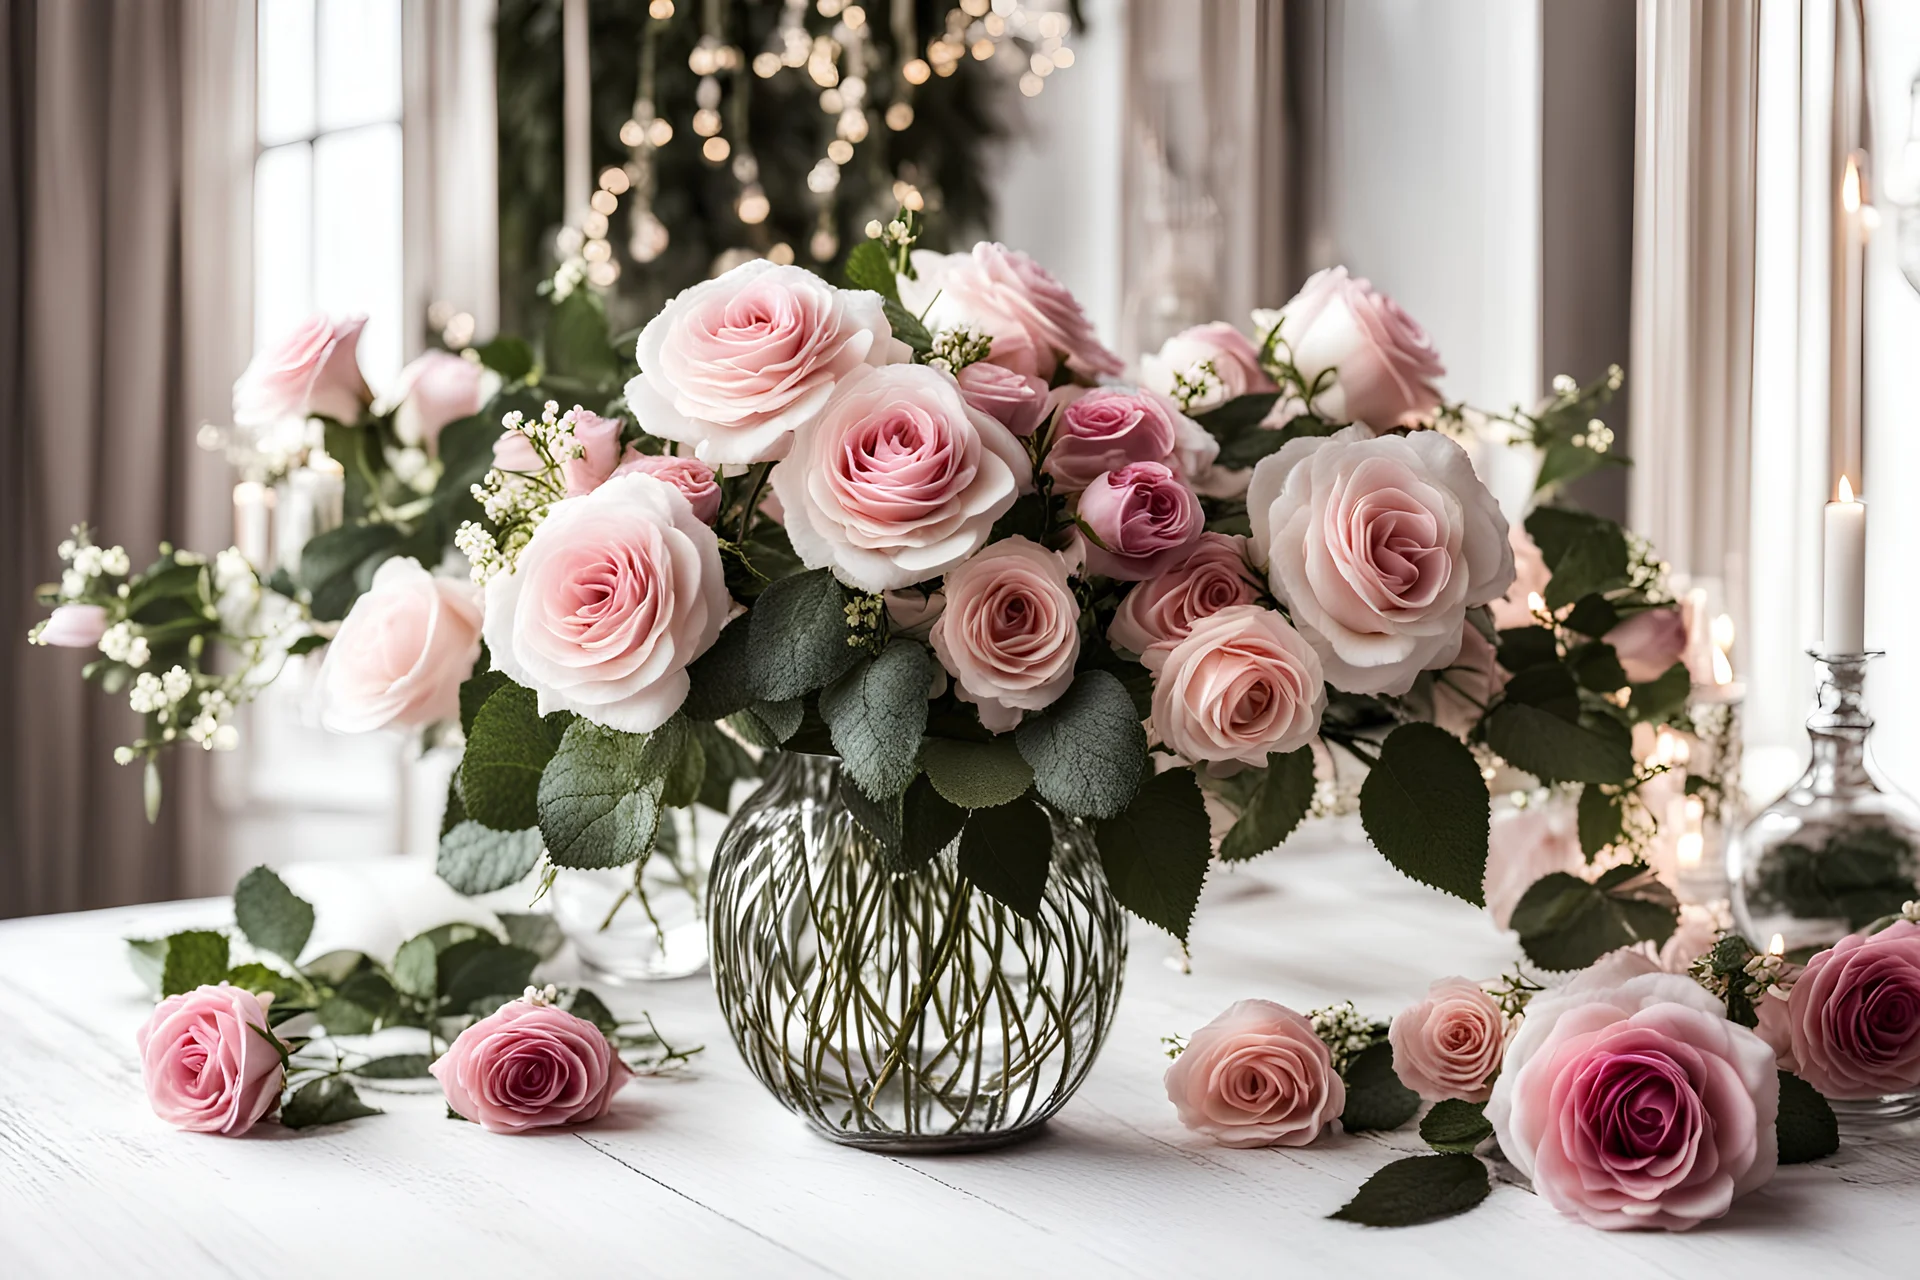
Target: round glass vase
column 646, row 922
column 904, row 1011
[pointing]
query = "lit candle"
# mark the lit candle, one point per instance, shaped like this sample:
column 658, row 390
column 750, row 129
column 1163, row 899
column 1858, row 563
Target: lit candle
column 1849, row 321
column 1845, row 622
column 328, row 487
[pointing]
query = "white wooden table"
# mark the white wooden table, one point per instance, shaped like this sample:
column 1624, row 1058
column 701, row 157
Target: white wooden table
column 706, row 1175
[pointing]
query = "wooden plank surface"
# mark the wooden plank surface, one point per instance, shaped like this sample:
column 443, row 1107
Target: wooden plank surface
column 705, row 1175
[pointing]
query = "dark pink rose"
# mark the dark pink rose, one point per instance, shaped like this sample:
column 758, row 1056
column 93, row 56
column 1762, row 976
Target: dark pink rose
column 1105, row 429
column 1213, row 575
column 1009, row 631
column 434, row 390
column 209, row 1061
column 1144, row 517
column 1216, row 357
column 73, row 626
column 1384, row 366
column 689, row 475
column 1449, row 1045
column 1854, row 1015
column 1034, row 322
column 1017, row 401
column 1648, row 643
column 530, row 1066
column 314, row 372
column 1257, row 1076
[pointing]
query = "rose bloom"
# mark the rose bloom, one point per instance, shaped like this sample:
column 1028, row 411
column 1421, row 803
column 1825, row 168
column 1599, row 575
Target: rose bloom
column 1384, row 364
column 1240, row 685
column 1378, row 547
column 1109, row 427
column 1143, row 517
column 692, row 477
column 530, row 1066
column 402, row 651
column 1463, row 691
column 733, row 365
column 1449, row 1045
column 1235, row 365
column 897, row 479
column 1211, row 576
column 312, row 373
column 74, row 626
column 1009, row 633
column 1524, row 845
column 1257, row 1076
column 613, row 596
column 599, row 440
column 209, row 1061
column 434, row 390
column 1852, row 1020
column 1648, row 642
column 1033, row 320
column 1638, row 1104
column 1530, row 577
column 1017, row 401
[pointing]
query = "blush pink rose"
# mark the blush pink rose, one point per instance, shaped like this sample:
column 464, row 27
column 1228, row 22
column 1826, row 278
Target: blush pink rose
column 1525, row 845
column 209, row 1061
column 1017, row 401
column 897, row 479
column 1257, row 1076
column 733, row 365
column 1144, row 518
column 1212, row 575
column 1641, row 1105
column 1449, row 1045
column 1110, row 427
column 1034, row 322
column 1853, row 1016
column 600, row 439
column 530, row 1066
column 1384, row 365
column 434, row 390
column 312, row 373
column 1241, row 684
column 73, row 626
column 1648, row 643
column 690, row 476
column 1216, row 356
column 1009, row 633
column 514, row 453
column 613, row 596
column 1378, row 546
column 1529, row 578
column 401, row 653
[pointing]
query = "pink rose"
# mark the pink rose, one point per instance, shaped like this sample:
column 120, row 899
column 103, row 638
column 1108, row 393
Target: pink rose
column 690, row 476
column 1144, row 519
column 73, row 626
column 1648, row 643
column 402, row 651
column 513, row 452
column 1212, row 575
column 1384, row 366
column 1449, row 1045
column 209, row 1060
column 313, row 373
column 529, row 1066
column 734, row 365
column 1463, row 691
column 912, row 612
column 1378, row 547
column 433, row 391
column 1240, row 685
column 1525, row 845
column 600, row 438
column 1032, row 319
column 1010, row 631
column 1637, row 1106
column 1257, row 1076
column 1017, row 401
column 897, row 479
column 1853, row 1016
column 1530, row 577
column 611, row 599
column 1216, row 356
column 1109, row 427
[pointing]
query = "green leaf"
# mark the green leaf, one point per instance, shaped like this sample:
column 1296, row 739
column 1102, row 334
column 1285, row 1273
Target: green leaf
column 727, row 763
column 907, row 327
column 578, row 346
column 476, row 689
column 880, row 819
column 1418, row 1189
column 394, row 1066
column 476, row 859
column 507, row 356
column 1662, row 698
column 869, row 266
column 329, row 1100
column 305, row 645
column 331, row 564
column 1277, row 805
column 1006, row 851
column 583, row 1003
column 1538, row 727
column 1593, row 615
column 534, row 931
column 195, row 958
column 365, row 999
column 1584, row 553
column 976, row 775
column 483, row 969
column 720, row 681
column 1456, row 1126
column 1155, row 854
column 1425, row 807
column 148, row 958
column 1088, row 749
column 1565, row 923
column 1241, row 411
column 1601, row 820
column 273, row 918
column 769, row 724
column 1523, row 647
column 877, row 713
column 416, row 970
column 1595, row 666
column 599, row 801
column 798, row 636
column 259, row 979
column 929, row 823
column 1806, row 1125
column 1375, row 1097
column 506, row 753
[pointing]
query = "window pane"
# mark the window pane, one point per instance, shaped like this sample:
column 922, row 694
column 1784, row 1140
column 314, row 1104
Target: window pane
column 282, row 241
column 359, row 62
column 285, row 73
column 356, row 259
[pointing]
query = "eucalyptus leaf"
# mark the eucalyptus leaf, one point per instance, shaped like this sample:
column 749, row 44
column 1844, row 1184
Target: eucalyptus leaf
column 877, row 713
column 929, row 823
column 506, row 753
column 599, row 800
column 1088, row 749
column 719, row 683
column 976, row 775
column 475, row 859
column 798, row 636
column 416, row 967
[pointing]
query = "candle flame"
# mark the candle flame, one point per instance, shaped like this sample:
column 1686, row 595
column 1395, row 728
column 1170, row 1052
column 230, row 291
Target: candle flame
column 1778, row 947
column 1845, row 490
column 1692, row 845
column 1850, row 187
column 1722, row 668
column 1534, row 603
column 1723, row 631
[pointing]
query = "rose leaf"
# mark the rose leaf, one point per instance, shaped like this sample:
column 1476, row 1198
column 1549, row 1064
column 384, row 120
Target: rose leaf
column 1156, row 853
column 1806, row 1125
column 1088, row 749
column 273, row 918
column 329, row 1100
column 1375, row 1097
column 1418, row 1189
column 1456, row 1126
column 1277, row 805
column 1425, row 807
column 877, row 713
column 1007, row 851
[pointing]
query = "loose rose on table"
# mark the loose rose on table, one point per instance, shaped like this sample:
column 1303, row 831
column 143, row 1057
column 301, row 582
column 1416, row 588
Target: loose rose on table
column 530, row 1066
column 1256, row 1076
column 209, row 1061
column 1850, row 1025
column 1449, row 1045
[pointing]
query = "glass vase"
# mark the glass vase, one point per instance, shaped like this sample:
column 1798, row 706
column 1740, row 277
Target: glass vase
column 904, row 1012
column 646, row 923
